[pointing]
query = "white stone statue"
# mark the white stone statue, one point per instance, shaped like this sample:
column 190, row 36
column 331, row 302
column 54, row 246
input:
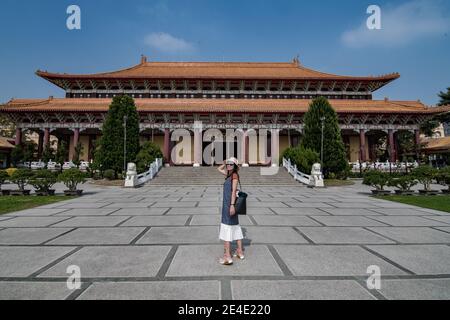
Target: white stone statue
column 316, row 179
column 131, row 178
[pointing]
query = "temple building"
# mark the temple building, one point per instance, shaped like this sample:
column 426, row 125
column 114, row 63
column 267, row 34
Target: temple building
column 221, row 95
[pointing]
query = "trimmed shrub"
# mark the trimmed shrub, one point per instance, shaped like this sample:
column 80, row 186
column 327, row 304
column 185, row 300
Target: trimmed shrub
column 43, row 180
column 444, row 176
column 109, row 174
column 3, row 177
column 72, row 178
column 376, row 179
column 21, row 177
column 403, row 183
column 304, row 158
column 425, row 175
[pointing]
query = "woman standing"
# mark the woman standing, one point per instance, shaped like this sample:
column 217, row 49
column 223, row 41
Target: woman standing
column 230, row 229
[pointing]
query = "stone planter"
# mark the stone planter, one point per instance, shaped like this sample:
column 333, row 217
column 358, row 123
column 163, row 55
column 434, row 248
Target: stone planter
column 45, row 193
column 381, row 192
column 429, row 192
column 6, row 192
column 404, row 192
column 75, row 193
column 20, row 192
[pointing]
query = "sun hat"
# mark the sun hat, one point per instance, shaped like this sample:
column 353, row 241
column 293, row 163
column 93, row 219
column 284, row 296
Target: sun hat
column 234, row 160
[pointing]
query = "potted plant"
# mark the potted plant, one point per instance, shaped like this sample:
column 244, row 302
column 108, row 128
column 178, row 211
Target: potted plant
column 444, row 177
column 425, row 175
column 71, row 179
column 377, row 179
column 43, row 181
column 21, row 177
column 403, row 184
column 3, row 177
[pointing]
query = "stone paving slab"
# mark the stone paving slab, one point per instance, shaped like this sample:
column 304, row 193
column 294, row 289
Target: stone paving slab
column 401, row 212
column 86, row 212
column 332, row 261
column 198, row 261
column 158, row 290
column 301, row 211
column 420, row 259
column 413, row 234
column 23, row 222
column 348, row 221
column 29, row 236
column 441, row 219
column 100, row 221
column 34, row 212
column 342, row 235
column 416, row 289
column 285, row 221
column 34, row 290
column 120, row 205
column 24, row 261
column 350, row 212
column 409, row 221
column 104, row 262
column 184, row 204
column 299, row 290
column 173, row 235
column 215, row 220
column 139, row 212
column 204, row 210
column 272, row 235
column 142, row 221
column 82, row 205
column 95, row 236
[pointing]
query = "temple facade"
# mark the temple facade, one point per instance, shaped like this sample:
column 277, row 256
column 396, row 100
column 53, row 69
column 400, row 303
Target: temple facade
column 245, row 98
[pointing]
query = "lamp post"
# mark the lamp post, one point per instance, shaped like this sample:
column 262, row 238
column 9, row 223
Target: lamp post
column 321, row 143
column 125, row 118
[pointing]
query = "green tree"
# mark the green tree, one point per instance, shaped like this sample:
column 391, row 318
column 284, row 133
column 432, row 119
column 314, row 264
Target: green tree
column 17, row 155
column 60, row 156
column 334, row 158
column 110, row 153
column 444, row 98
column 48, row 154
column 76, row 156
column 148, row 153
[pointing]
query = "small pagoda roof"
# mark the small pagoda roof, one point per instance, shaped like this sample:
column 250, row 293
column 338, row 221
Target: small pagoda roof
column 222, row 106
column 437, row 144
column 218, row 71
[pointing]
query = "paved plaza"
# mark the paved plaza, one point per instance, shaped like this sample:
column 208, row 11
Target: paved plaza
column 161, row 242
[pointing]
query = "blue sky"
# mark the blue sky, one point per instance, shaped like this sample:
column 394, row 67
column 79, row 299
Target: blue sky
column 328, row 35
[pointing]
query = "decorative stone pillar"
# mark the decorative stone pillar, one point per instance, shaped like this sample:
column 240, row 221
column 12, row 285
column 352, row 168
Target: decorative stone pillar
column 275, row 147
column 167, row 146
column 18, row 136
column 362, row 146
column 392, row 155
column 197, row 147
column 76, row 139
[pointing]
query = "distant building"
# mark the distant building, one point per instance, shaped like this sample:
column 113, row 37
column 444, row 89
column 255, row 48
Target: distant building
column 245, row 96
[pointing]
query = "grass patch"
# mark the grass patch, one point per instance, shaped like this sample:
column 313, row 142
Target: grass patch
column 441, row 202
column 338, row 183
column 12, row 203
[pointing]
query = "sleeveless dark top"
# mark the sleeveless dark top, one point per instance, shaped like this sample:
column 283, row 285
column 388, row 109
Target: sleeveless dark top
column 227, row 189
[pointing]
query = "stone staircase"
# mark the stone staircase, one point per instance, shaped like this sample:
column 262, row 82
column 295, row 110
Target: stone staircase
column 211, row 177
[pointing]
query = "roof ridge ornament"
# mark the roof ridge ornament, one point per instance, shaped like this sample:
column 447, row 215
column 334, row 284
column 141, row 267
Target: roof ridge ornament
column 296, row 60
column 143, row 59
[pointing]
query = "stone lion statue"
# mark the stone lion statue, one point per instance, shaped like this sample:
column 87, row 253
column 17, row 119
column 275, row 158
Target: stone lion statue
column 131, row 169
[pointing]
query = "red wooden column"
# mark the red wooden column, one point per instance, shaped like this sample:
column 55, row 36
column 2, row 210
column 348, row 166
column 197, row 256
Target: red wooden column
column 18, row 136
column 417, row 136
column 76, row 139
column 167, row 145
column 46, row 137
column 362, row 145
column 392, row 156
column 40, row 144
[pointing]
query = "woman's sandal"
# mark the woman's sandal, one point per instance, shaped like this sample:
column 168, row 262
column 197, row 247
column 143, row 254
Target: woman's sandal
column 226, row 261
column 236, row 255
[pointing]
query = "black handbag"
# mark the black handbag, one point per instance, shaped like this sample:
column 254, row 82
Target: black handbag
column 241, row 200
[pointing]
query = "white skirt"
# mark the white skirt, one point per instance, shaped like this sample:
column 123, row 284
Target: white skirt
column 230, row 233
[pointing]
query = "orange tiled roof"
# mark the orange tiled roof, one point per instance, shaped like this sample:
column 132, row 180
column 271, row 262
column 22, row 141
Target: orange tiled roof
column 439, row 144
column 217, row 70
column 220, row 105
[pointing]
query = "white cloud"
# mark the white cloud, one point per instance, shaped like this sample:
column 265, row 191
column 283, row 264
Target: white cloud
column 402, row 25
column 167, row 43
